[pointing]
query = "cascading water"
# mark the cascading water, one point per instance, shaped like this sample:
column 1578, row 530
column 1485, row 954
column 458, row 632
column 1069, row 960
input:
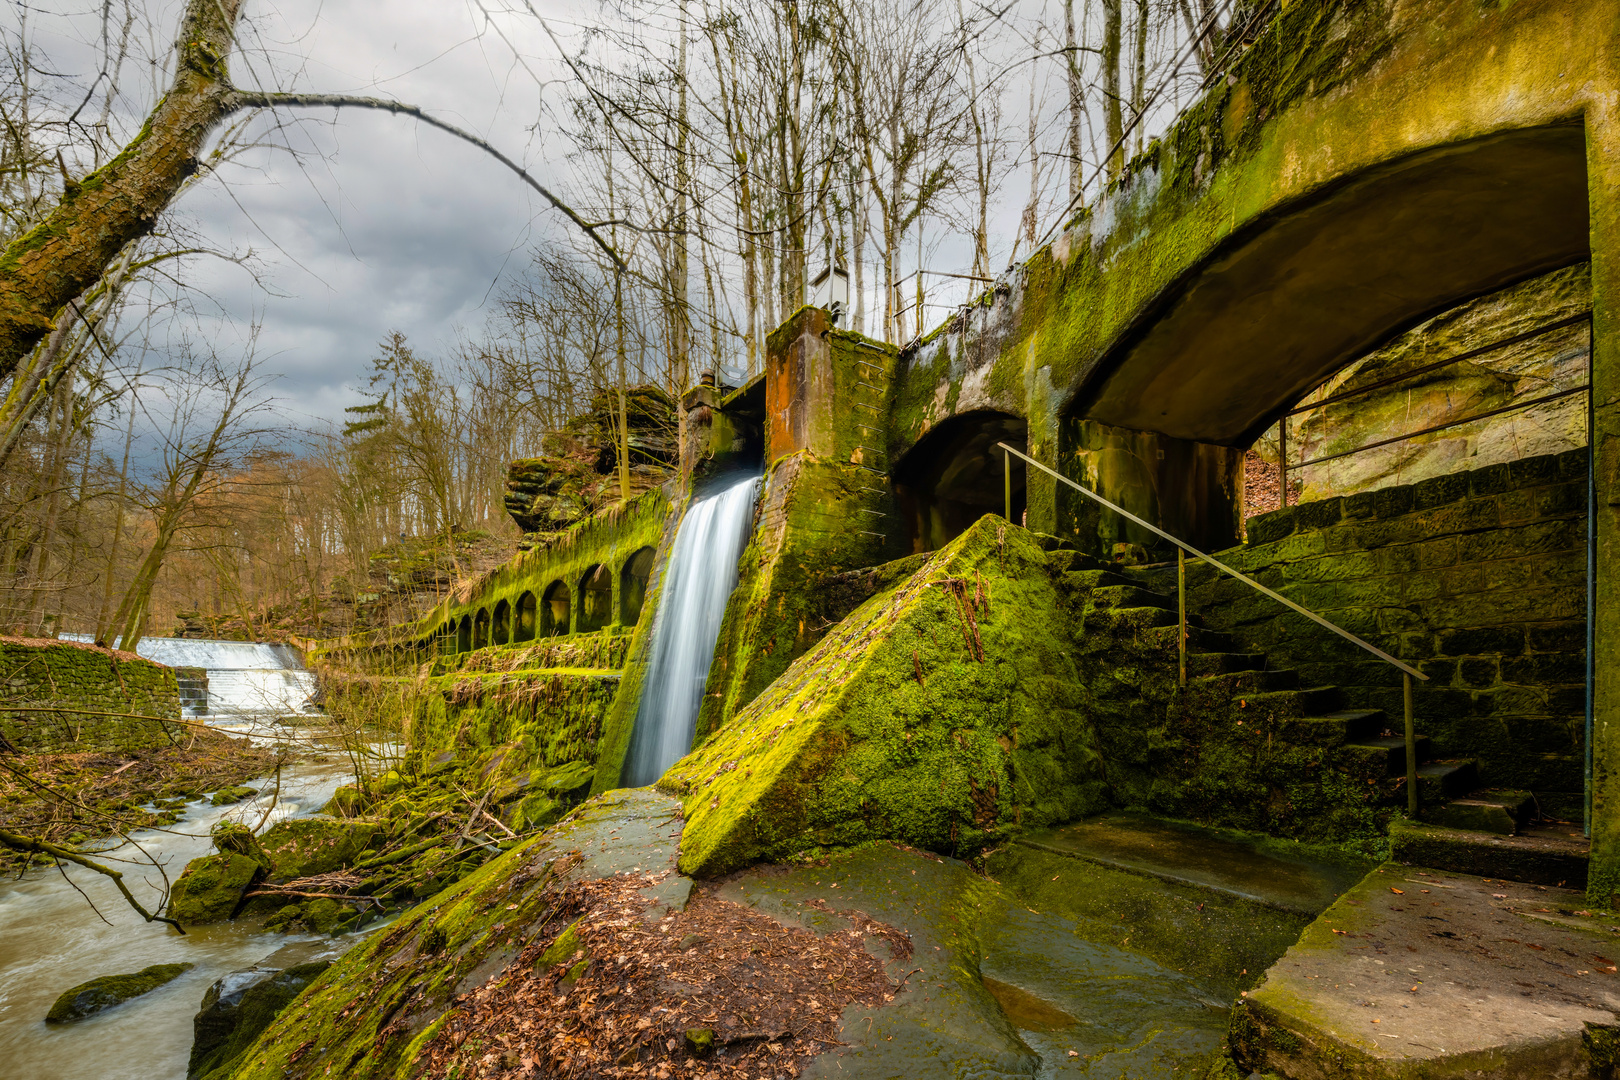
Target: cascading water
column 244, row 678
column 702, row 572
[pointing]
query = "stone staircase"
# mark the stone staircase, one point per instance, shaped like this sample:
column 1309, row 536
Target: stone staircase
column 1362, row 742
column 1463, row 827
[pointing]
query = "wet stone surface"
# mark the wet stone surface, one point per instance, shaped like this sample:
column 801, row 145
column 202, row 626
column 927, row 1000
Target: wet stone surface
column 1414, row 966
column 992, row 989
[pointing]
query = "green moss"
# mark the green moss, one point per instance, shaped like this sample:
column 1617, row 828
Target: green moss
column 939, row 714
column 302, row 847
column 563, row 950
column 221, row 1036
column 231, row 795
column 212, row 887
column 92, row 997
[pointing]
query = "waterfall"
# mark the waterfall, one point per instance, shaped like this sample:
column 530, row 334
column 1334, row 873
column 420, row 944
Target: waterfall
column 244, row 679
column 701, row 574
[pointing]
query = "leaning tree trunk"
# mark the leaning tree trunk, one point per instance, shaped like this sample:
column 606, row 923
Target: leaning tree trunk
column 64, row 255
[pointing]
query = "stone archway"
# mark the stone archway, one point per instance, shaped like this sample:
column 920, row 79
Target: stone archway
column 953, row 476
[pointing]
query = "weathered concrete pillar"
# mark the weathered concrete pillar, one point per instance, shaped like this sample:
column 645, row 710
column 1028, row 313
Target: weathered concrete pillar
column 1191, row 490
column 799, row 387
column 1603, row 193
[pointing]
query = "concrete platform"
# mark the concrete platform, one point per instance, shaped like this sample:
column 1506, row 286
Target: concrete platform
column 1425, row 973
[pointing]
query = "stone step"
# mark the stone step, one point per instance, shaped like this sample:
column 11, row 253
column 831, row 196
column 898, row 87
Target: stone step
column 1542, row 858
column 1130, row 596
column 1500, row 812
column 1067, row 559
column 1251, row 681
column 1333, row 728
column 1442, row 780
column 1223, row 663
column 1199, row 640
column 1384, row 755
column 1281, row 708
column 1139, row 619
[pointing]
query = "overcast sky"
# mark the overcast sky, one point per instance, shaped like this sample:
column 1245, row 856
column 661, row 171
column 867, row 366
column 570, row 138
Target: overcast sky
column 381, row 223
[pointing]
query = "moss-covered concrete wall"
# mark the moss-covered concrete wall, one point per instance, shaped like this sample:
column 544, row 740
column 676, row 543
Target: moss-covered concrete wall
column 1477, row 578
column 66, row 677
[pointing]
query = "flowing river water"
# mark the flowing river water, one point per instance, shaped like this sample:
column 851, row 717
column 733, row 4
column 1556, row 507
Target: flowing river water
column 52, row 938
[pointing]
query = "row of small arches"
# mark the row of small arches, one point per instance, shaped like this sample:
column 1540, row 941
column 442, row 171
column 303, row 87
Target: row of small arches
column 554, row 612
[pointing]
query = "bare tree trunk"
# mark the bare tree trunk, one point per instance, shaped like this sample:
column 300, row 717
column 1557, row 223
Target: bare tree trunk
column 63, row 256
column 1077, row 95
column 1112, row 34
column 1139, row 81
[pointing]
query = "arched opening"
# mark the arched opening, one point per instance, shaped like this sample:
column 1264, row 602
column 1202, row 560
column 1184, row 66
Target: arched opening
column 503, row 623
column 1296, row 296
column 633, row 585
column 595, row 598
column 954, row 475
column 464, row 634
column 556, row 610
column 524, row 629
column 481, row 628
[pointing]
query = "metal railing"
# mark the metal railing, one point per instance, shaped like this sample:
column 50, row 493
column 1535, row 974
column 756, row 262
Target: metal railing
column 1183, row 549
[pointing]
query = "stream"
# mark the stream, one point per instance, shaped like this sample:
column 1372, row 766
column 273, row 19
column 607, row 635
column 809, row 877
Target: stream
column 51, row 940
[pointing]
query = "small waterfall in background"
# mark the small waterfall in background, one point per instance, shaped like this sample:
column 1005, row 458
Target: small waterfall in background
column 244, row 679
column 702, row 572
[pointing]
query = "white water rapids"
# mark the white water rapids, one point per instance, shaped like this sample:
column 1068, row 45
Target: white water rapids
column 701, row 574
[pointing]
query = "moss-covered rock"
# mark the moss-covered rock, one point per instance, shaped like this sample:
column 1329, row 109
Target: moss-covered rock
column 301, row 847
column 230, row 795
column 942, row 713
column 92, row 997
column 212, row 887
column 237, row 1008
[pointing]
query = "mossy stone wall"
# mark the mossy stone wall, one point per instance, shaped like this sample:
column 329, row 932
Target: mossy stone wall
column 66, row 677
column 1477, row 578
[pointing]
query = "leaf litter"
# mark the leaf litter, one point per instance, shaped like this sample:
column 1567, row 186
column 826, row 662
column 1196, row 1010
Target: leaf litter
column 714, row 990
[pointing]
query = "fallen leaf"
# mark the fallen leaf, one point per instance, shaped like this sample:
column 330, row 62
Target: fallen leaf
column 1397, row 892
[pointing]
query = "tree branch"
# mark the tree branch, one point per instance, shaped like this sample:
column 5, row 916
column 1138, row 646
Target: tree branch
column 257, row 99
column 40, row 847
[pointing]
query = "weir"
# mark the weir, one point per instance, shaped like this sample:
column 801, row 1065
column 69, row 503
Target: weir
column 244, row 678
column 702, row 573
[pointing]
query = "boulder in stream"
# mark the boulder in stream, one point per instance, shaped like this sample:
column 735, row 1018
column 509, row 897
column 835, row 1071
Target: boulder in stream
column 92, row 997
column 212, row 887
column 240, row 1005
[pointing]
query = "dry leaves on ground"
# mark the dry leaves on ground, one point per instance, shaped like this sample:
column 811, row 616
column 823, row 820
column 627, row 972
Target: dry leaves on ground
column 767, row 995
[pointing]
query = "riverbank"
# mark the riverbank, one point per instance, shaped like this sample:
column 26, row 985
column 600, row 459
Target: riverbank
column 79, row 799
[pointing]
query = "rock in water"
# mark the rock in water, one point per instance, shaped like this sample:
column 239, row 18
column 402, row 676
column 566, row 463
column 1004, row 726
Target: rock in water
column 212, row 887
column 241, row 1005
column 89, row 998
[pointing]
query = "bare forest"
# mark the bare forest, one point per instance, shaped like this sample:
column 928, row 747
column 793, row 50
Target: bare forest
column 696, row 163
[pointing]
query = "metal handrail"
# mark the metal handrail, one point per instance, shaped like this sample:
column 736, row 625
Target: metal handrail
column 1408, row 672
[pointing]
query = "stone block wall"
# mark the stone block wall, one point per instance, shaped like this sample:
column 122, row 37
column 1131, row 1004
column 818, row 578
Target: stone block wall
column 65, row 677
column 1476, row 578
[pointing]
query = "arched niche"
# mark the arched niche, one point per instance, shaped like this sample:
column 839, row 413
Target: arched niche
column 524, row 626
column 633, row 578
column 595, row 598
column 481, row 628
column 954, row 475
column 464, row 634
column 502, row 630
column 556, row 610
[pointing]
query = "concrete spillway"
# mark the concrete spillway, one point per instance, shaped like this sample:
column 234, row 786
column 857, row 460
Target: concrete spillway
column 244, row 678
column 702, row 572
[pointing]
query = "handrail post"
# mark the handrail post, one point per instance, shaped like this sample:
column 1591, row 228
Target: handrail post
column 1411, row 753
column 1006, row 480
column 1181, row 609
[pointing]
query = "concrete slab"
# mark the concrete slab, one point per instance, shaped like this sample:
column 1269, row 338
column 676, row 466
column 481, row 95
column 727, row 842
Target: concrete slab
column 1425, row 973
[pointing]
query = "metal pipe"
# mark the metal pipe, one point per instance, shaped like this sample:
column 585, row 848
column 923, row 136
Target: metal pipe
column 1181, row 608
column 1217, row 564
column 1006, row 481
column 1411, row 754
